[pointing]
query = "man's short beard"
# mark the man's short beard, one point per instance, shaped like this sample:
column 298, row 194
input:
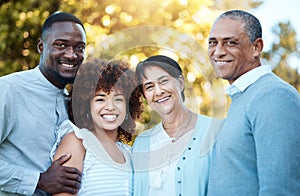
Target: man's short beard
column 64, row 80
column 69, row 80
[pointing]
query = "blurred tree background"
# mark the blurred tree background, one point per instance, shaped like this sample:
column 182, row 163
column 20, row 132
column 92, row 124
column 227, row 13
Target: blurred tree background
column 134, row 29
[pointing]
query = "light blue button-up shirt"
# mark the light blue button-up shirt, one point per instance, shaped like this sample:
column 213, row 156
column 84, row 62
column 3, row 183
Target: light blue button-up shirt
column 247, row 79
column 31, row 110
column 192, row 166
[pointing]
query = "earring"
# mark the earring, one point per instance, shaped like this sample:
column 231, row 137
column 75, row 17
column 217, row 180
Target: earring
column 87, row 116
column 126, row 117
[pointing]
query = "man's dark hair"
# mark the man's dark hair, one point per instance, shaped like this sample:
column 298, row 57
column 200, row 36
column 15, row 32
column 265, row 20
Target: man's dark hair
column 60, row 17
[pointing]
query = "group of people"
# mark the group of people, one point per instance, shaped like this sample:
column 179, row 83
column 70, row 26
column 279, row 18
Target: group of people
column 47, row 148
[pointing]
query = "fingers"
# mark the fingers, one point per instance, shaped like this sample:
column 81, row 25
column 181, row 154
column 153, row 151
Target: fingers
column 59, row 178
column 63, row 181
column 76, row 177
column 63, row 159
column 70, row 183
column 67, row 189
column 74, row 184
column 71, row 170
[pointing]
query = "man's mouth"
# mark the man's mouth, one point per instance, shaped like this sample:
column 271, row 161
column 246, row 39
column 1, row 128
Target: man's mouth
column 68, row 65
column 221, row 63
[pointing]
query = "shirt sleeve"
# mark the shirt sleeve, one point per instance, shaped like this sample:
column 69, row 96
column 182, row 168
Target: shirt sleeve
column 66, row 127
column 276, row 131
column 7, row 112
column 13, row 178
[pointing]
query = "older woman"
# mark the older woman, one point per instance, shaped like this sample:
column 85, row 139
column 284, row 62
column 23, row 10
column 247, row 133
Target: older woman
column 173, row 157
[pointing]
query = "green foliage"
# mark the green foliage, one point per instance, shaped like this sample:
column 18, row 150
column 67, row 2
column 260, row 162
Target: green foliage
column 285, row 54
column 19, row 31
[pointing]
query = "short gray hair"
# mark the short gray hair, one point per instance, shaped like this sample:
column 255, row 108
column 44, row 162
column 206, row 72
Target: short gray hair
column 251, row 23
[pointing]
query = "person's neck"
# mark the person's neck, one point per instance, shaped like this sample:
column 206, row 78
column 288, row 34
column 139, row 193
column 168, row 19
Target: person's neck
column 250, row 68
column 56, row 83
column 105, row 136
column 177, row 125
column 108, row 139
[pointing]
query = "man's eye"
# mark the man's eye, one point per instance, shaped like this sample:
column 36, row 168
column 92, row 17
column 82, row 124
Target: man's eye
column 212, row 43
column 81, row 48
column 230, row 43
column 97, row 100
column 60, row 45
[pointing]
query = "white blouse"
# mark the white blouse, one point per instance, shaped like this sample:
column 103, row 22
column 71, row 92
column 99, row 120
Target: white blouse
column 162, row 178
column 101, row 174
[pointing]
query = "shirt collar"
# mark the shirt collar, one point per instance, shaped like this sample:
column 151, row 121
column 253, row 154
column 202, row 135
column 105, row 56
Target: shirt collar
column 45, row 81
column 247, row 79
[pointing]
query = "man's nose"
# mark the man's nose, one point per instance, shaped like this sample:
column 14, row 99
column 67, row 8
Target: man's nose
column 70, row 53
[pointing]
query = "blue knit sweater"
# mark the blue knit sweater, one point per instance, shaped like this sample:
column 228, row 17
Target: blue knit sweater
column 258, row 150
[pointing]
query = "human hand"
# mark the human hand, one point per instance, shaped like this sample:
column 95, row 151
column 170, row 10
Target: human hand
column 58, row 178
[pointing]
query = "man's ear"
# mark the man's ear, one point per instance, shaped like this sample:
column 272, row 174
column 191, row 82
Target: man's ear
column 40, row 46
column 258, row 47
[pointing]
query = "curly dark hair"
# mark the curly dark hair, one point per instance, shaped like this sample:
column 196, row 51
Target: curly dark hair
column 104, row 75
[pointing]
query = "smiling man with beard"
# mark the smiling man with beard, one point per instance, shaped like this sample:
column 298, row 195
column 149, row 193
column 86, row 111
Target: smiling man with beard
column 32, row 108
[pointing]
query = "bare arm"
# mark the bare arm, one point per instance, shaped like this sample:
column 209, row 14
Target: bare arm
column 68, row 180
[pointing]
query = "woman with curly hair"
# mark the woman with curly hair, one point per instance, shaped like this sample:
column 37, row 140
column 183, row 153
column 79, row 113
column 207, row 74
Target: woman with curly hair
column 106, row 102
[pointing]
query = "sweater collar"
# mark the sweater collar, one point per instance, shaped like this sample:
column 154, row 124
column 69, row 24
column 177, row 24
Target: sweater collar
column 247, row 79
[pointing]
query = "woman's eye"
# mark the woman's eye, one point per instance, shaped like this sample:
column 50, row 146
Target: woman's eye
column 119, row 100
column 164, row 81
column 148, row 88
column 97, row 100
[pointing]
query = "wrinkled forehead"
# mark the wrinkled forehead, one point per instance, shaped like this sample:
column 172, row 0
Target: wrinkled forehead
column 155, row 67
column 224, row 22
column 226, row 28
